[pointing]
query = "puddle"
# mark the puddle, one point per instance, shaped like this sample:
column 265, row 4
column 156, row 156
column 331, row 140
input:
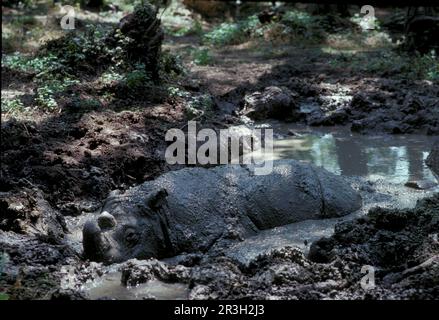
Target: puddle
column 110, row 287
column 395, row 158
column 389, row 161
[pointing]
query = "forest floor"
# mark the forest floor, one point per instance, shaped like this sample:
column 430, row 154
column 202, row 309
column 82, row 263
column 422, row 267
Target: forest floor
column 66, row 145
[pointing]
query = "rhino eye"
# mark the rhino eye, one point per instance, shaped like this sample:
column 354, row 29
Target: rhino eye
column 131, row 237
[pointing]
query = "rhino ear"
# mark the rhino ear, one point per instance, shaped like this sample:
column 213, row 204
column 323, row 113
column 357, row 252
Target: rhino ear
column 156, row 198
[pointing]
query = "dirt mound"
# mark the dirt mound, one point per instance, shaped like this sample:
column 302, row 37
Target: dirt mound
column 134, row 43
column 402, row 245
column 73, row 156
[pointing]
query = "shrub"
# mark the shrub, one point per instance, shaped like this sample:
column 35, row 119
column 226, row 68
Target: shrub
column 11, row 105
column 232, row 33
column 49, row 89
column 202, row 57
column 38, row 64
column 171, row 65
column 137, row 78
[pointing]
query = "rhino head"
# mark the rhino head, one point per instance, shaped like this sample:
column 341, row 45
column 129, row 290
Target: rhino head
column 119, row 232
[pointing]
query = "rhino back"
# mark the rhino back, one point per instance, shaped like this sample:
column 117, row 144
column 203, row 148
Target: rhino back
column 433, row 159
column 338, row 197
column 201, row 203
column 289, row 194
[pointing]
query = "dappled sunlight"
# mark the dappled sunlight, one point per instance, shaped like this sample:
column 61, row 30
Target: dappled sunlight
column 94, row 191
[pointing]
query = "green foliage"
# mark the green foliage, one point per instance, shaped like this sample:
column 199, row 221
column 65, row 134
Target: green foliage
column 199, row 106
column 401, row 65
column 110, row 76
column 11, row 105
column 49, row 89
column 51, row 77
column 171, row 65
column 292, row 24
column 87, row 104
column 4, row 296
column 17, row 4
column 38, row 64
column 308, row 27
column 232, row 33
column 24, row 20
column 77, row 48
column 298, row 19
column 194, row 29
column 427, row 66
column 137, row 78
column 202, row 57
column 178, row 92
column 364, row 24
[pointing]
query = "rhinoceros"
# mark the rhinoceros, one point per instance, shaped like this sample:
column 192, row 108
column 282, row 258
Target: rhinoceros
column 433, row 159
column 188, row 210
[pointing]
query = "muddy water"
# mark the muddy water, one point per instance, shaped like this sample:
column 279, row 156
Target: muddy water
column 109, row 286
column 378, row 166
column 395, row 158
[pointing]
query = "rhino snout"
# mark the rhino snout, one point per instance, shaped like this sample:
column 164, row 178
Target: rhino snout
column 95, row 244
column 106, row 221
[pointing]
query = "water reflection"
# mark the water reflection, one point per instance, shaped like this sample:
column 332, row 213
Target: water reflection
column 396, row 159
column 109, row 286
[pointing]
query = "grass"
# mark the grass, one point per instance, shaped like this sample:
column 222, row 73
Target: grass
column 231, row 33
column 20, row 62
column 298, row 19
column 11, row 105
column 137, row 78
column 194, row 29
column 55, row 69
column 4, row 296
column 178, row 92
column 202, row 57
column 293, row 25
column 50, row 89
column 199, row 106
column 390, row 63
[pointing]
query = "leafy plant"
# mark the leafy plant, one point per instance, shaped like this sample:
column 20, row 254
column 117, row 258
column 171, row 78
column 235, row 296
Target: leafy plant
column 202, row 57
column 10, row 105
column 38, row 64
column 49, row 89
column 4, row 296
column 416, row 67
column 110, row 76
column 194, row 29
column 137, row 78
column 232, row 33
column 298, row 19
column 78, row 48
column 199, row 106
column 171, row 65
column 177, row 92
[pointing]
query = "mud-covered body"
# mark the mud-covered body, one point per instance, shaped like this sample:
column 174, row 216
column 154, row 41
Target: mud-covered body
column 190, row 209
column 433, row 159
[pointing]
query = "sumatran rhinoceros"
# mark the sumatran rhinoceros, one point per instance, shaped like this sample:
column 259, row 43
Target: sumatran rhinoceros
column 190, row 209
column 433, row 159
